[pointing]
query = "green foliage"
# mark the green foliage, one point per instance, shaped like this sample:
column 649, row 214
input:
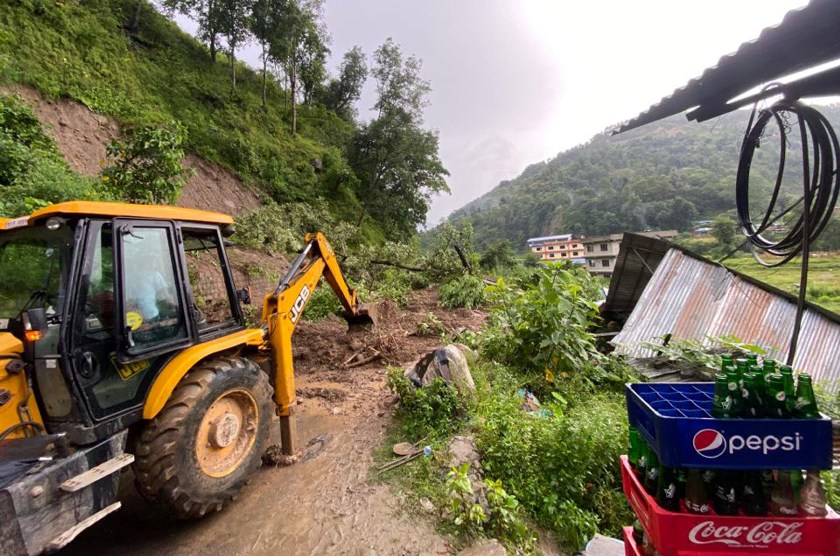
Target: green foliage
column 33, row 173
column 503, row 520
column 541, row 328
column 562, row 468
column 435, row 409
column 498, row 255
column 469, row 516
column 464, row 291
column 79, row 50
column 431, row 326
column 322, row 303
column 443, row 258
column 281, row 227
column 146, row 166
column 701, row 353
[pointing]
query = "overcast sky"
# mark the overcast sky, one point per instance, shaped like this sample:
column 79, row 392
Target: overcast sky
column 515, row 82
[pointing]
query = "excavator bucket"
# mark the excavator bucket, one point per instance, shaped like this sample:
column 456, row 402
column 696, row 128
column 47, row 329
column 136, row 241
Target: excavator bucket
column 364, row 320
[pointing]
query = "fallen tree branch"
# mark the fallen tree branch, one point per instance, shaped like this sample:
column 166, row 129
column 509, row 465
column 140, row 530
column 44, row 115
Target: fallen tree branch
column 364, row 361
column 400, row 265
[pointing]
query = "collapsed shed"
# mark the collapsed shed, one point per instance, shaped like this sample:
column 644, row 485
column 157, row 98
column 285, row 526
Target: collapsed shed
column 659, row 288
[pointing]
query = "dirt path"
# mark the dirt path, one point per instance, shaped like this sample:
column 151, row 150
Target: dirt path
column 326, row 503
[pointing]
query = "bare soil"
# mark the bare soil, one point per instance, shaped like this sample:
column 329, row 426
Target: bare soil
column 82, row 135
column 326, row 503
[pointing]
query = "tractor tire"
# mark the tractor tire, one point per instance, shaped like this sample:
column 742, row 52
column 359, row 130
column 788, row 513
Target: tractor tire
column 208, row 439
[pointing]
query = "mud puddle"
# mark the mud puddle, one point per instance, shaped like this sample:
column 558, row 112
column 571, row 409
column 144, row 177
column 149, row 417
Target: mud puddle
column 324, row 504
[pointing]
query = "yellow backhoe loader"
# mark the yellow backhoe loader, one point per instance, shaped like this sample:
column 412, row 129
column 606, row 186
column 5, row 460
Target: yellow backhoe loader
column 110, row 356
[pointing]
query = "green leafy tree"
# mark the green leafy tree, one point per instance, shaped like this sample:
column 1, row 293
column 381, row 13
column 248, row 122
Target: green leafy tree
column 146, row 167
column 499, row 254
column 395, row 158
column 265, row 26
column 300, row 47
column 723, row 230
column 234, row 25
column 342, row 92
column 208, row 15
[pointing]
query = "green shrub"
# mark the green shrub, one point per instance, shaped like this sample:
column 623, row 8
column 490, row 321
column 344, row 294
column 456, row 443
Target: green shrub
column 146, row 166
column 433, row 410
column 541, row 329
column 465, row 291
column 394, row 284
column 562, row 468
column 322, row 303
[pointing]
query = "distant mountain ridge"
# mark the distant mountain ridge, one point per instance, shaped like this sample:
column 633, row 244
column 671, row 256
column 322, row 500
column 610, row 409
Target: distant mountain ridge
column 661, row 176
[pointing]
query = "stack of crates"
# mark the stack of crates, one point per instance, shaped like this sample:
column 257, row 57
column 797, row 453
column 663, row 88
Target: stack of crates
column 676, row 423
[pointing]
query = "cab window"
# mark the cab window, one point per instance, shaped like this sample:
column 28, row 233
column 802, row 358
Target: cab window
column 153, row 316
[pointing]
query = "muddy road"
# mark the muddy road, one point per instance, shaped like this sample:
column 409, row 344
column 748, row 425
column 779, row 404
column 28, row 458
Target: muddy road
column 326, row 503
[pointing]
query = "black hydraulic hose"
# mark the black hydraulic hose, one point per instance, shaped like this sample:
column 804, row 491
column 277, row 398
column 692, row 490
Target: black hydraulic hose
column 820, row 186
column 37, row 426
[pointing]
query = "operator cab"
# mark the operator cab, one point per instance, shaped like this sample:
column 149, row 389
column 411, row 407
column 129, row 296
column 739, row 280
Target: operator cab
column 103, row 295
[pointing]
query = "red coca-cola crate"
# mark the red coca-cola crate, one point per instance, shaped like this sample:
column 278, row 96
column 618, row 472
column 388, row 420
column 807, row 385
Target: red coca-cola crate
column 630, row 546
column 684, row 534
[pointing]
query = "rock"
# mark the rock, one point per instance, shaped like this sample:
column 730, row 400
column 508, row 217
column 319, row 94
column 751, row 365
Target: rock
column 449, row 364
column 427, row 505
column 484, row 547
column 462, row 449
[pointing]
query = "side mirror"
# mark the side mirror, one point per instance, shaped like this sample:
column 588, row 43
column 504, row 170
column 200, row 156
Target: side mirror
column 244, row 296
column 34, row 322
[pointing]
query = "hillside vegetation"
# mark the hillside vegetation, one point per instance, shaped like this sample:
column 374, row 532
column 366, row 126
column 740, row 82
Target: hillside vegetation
column 661, row 176
column 152, row 74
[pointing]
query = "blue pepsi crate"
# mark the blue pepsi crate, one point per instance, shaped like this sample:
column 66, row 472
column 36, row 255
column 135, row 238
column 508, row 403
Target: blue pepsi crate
column 675, row 420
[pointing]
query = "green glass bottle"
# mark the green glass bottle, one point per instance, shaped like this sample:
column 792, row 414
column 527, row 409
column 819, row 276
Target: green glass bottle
column 776, row 400
column 805, row 403
column 721, row 402
column 733, row 387
column 652, row 473
column 753, row 396
column 769, row 366
column 725, row 361
column 790, row 389
column 634, row 448
column 752, row 359
column 641, row 469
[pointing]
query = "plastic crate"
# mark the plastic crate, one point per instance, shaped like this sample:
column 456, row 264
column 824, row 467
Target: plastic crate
column 676, row 422
column 683, row 534
column 630, row 546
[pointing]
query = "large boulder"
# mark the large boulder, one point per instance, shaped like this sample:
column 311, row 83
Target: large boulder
column 447, row 363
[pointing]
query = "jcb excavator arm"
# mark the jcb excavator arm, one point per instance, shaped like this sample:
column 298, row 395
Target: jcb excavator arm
column 281, row 312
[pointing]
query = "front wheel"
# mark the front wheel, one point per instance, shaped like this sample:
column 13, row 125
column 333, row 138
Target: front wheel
column 208, row 438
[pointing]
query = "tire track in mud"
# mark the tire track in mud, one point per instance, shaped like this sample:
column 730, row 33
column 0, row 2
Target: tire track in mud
column 321, row 505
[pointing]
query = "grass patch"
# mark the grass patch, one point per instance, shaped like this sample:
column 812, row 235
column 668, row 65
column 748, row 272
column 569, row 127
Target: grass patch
column 823, row 277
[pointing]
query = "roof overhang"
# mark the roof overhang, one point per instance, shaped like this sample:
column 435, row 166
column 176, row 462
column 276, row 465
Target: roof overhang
column 805, row 39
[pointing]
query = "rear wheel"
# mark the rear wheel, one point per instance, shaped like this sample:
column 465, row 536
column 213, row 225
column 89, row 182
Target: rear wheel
column 207, row 440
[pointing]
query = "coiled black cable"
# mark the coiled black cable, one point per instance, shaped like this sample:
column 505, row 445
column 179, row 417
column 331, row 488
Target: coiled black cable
column 820, row 186
column 820, row 180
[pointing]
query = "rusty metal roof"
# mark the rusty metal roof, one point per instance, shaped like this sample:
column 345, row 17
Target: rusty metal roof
column 695, row 299
column 806, row 37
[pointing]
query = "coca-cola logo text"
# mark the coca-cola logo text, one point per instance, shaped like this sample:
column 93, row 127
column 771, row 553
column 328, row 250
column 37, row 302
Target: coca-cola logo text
column 764, row 533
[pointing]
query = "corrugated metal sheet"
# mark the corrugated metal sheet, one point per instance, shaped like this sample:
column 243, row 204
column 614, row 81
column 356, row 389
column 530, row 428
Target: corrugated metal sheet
column 805, row 38
column 694, row 299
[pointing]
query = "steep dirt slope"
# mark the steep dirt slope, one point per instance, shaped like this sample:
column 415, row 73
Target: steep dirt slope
column 82, row 136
